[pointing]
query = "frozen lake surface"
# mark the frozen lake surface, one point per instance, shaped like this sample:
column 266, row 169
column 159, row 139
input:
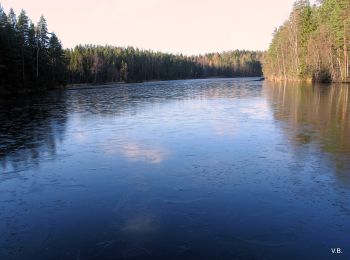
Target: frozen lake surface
column 197, row 169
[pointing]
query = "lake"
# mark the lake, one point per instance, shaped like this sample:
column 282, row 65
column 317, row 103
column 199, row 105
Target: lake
column 191, row 169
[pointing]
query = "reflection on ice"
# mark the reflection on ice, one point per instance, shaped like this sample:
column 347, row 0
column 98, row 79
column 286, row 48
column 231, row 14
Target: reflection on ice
column 258, row 111
column 30, row 129
column 135, row 152
column 315, row 115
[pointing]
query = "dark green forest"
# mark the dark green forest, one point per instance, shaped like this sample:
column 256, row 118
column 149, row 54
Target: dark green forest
column 313, row 44
column 96, row 64
column 32, row 59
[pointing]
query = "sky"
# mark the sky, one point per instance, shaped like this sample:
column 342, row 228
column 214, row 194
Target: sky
column 176, row 26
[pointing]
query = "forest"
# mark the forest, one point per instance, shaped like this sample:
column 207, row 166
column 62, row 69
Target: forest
column 96, row 64
column 312, row 45
column 32, row 59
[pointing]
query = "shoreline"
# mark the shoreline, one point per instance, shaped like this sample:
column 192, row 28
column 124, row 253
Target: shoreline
column 299, row 80
column 121, row 83
column 78, row 86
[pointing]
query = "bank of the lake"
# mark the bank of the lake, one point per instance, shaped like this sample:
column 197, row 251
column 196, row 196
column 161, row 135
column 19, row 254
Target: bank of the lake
column 312, row 45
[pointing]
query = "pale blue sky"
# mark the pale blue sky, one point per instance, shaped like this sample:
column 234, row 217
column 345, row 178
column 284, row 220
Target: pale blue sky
column 186, row 26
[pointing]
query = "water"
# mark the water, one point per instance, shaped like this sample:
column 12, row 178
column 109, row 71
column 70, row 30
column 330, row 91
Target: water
column 200, row 169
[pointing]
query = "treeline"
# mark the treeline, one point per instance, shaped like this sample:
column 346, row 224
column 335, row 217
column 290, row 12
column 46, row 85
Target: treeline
column 31, row 58
column 313, row 44
column 96, row 64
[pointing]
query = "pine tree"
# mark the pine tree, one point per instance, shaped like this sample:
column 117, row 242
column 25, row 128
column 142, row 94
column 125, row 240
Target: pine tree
column 4, row 45
column 57, row 61
column 11, row 19
column 42, row 43
column 23, row 36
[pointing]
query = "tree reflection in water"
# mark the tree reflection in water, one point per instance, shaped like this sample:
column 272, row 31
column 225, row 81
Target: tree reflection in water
column 30, row 129
column 316, row 115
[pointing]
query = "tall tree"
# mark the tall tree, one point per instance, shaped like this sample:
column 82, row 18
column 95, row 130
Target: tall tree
column 23, row 36
column 57, row 60
column 42, row 43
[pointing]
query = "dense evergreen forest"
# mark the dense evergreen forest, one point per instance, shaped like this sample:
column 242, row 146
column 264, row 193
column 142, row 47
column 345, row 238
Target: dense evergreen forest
column 96, row 64
column 31, row 58
column 313, row 44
